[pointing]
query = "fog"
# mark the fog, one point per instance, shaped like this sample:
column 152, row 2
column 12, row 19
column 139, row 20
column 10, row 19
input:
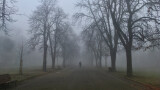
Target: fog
column 79, row 44
column 143, row 60
column 19, row 29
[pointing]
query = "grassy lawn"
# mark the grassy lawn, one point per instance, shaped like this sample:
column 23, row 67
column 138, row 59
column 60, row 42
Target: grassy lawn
column 146, row 78
column 27, row 73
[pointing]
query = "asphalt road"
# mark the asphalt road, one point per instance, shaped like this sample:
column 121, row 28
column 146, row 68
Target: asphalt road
column 79, row 79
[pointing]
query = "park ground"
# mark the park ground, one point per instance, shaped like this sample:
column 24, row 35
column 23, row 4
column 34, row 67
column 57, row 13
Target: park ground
column 80, row 79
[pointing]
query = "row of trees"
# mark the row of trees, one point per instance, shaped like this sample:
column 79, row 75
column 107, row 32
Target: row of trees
column 95, row 44
column 133, row 24
column 51, row 32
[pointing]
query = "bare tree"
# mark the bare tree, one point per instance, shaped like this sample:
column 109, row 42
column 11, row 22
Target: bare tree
column 40, row 23
column 124, row 19
column 95, row 42
column 7, row 9
column 131, row 24
column 101, row 20
column 69, row 45
column 60, row 16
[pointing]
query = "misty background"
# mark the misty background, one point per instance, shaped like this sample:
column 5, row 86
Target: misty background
column 146, row 60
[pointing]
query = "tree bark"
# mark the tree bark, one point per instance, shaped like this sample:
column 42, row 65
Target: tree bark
column 100, row 56
column 64, row 58
column 100, row 62
column 96, row 61
column 64, row 62
column 45, row 58
column 21, row 61
column 54, row 54
column 113, row 60
column 45, row 49
column 106, row 61
column 129, row 62
column 51, row 45
column 45, row 46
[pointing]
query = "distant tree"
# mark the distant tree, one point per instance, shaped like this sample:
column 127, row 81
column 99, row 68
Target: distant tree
column 100, row 19
column 69, row 45
column 55, row 31
column 95, row 42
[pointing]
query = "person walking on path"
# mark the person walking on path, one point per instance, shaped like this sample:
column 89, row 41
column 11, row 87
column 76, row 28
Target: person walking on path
column 80, row 64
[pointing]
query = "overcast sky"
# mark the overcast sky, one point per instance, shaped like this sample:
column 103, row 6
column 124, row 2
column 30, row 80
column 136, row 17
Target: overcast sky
column 26, row 7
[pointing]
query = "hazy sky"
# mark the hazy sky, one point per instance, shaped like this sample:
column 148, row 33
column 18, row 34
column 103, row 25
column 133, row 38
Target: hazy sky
column 28, row 6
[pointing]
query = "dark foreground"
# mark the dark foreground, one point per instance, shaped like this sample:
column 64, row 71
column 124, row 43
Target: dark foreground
column 79, row 79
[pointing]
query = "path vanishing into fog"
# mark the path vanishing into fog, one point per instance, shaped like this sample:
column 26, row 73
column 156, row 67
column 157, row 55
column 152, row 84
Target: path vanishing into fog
column 79, row 79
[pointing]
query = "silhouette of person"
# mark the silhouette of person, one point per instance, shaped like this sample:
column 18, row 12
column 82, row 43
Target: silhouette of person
column 80, row 64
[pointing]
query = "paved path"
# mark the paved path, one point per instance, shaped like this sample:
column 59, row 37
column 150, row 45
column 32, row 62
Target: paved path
column 79, row 79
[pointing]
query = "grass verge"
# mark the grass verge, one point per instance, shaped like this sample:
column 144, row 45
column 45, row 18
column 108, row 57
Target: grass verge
column 27, row 74
column 151, row 80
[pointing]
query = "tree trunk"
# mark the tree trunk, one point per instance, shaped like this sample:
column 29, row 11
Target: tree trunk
column 21, row 66
column 64, row 62
column 100, row 61
column 45, row 58
column 113, row 60
column 64, row 58
column 54, row 54
column 106, row 61
column 92, row 60
column 96, row 61
column 100, row 57
column 129, row 62
column 45, row 47
column 21, row 61
column 51, row 45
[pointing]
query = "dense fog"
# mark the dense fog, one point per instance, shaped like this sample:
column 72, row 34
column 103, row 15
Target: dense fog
column 143, row 60
column 65, row 36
